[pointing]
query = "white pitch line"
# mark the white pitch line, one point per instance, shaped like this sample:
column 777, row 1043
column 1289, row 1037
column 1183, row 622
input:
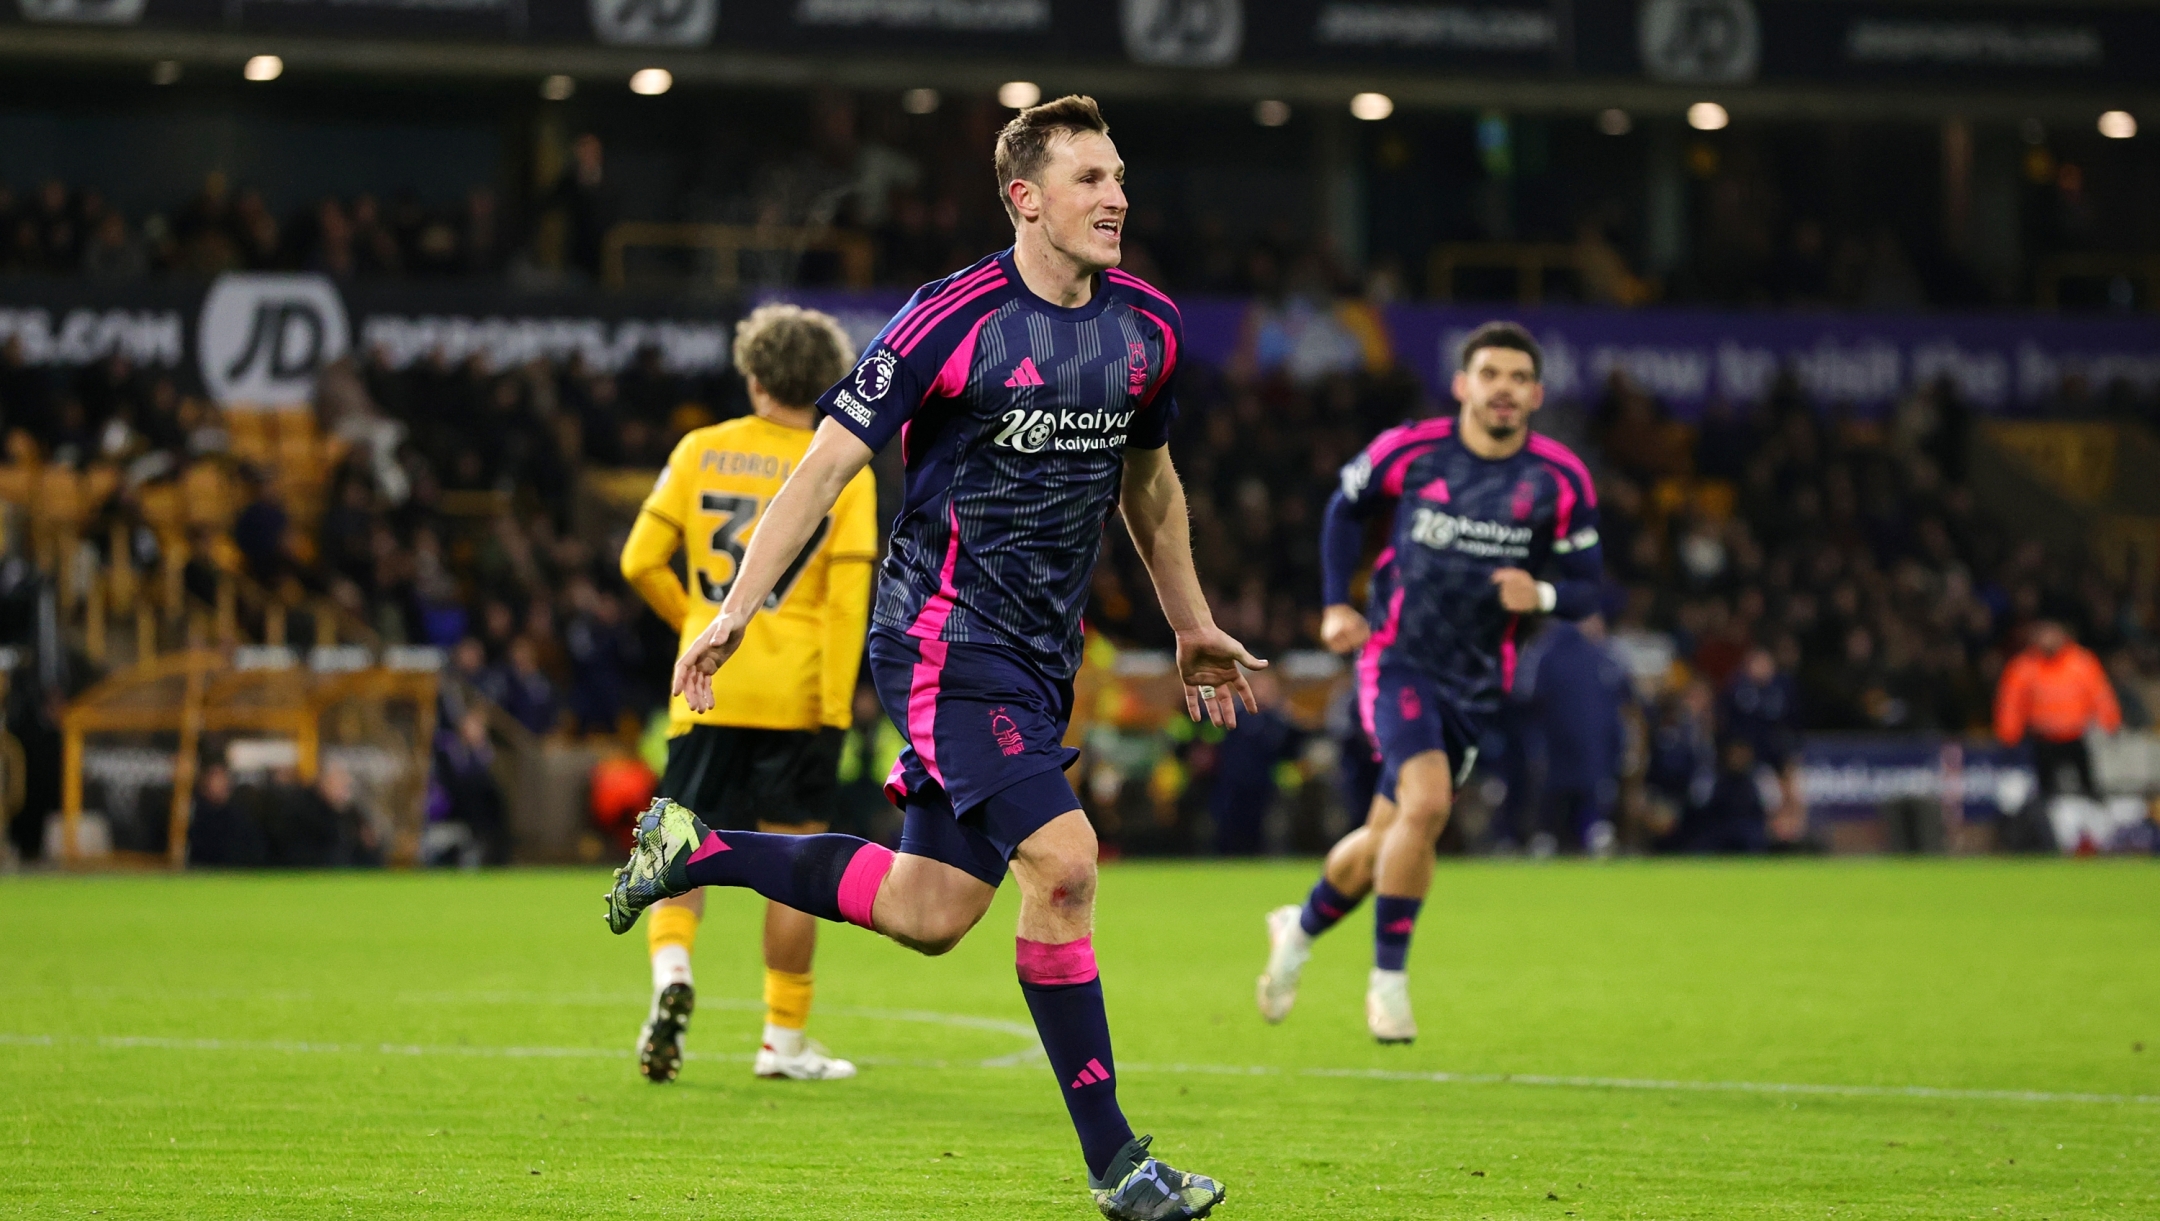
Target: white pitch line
column 1933, row 1093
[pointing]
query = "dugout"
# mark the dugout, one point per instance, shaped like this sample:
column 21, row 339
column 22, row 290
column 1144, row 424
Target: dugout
column 133, row 744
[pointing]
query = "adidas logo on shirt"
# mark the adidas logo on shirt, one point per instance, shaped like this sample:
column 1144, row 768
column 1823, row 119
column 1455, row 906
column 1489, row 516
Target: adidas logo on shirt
column 1024, row 374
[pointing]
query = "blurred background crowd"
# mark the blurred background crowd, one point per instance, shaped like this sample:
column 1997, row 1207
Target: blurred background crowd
column 1787, row 214
column 1775, row 568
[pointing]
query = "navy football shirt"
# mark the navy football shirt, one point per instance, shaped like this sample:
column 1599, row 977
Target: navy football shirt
column 1013, row 416
column 1459, row 518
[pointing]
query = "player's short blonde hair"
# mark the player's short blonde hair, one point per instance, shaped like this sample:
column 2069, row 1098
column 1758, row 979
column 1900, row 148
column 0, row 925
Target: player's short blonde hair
column 1024, row 145
column 794, row 353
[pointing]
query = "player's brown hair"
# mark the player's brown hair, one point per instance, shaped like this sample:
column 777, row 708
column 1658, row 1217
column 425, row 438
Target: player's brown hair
column 1024, row 144
column 1511, row 335
column 794, row 353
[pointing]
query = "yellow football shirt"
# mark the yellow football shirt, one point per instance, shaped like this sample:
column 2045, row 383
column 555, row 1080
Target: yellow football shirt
column 797, row 665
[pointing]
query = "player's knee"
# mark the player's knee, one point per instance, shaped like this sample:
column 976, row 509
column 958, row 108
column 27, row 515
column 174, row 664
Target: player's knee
column 1426, row 817
column 1062, row 875
column 1071, row 886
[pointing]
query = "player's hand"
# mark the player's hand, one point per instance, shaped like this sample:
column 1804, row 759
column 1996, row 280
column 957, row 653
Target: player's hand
column 1518, row 591
column 694, row 669
column 1343, row 629
column 1208, row 661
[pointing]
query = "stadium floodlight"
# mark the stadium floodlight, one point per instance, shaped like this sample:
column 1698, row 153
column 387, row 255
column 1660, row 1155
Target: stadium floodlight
column 920, row 101
column 165, row 72
column 1372, row 107
column 1271, row 113
column 651, row 82
column 1019, row 94
column 2118, row 125
column 1615, row 122
column 1707, row 116
column 263, row 68
column 558, row 87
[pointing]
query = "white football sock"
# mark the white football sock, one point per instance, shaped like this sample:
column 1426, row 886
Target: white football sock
column 670, row 965
column 783, row 1040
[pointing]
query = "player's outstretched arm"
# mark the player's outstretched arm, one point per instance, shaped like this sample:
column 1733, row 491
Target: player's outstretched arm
column 1153, row 502
column 834, row 456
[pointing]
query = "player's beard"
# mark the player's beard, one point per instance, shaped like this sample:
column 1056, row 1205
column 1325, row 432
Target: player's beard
column 1501, row 430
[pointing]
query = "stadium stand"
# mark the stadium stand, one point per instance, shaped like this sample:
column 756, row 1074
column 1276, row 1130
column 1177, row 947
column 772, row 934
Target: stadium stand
column 478, row 510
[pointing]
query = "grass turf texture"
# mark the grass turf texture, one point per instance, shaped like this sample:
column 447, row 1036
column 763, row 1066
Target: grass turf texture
column 330, row 1046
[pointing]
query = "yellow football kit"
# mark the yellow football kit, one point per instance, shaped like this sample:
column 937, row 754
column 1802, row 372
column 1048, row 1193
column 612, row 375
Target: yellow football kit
column 797, row 665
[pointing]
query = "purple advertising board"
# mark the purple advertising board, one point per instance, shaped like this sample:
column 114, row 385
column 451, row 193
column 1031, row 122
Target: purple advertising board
column 1688, row 358
column 1855, row 776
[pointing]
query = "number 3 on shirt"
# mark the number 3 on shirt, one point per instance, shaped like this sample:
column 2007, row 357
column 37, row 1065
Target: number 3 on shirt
column 737, row 515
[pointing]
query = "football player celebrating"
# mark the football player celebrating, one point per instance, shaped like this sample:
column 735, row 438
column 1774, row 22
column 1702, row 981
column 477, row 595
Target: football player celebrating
column 1032, row 396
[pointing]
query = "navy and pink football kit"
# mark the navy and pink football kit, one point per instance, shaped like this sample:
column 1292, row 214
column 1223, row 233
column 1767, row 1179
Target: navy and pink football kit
column 1443, row 650
column 1013, row 416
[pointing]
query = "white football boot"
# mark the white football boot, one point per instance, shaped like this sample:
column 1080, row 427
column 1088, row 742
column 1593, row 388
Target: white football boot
column 1288, row 948
column 807, row 1060
column 1387, row 1007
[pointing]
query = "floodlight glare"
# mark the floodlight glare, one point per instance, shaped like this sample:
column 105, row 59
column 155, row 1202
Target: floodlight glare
column 1372, row 107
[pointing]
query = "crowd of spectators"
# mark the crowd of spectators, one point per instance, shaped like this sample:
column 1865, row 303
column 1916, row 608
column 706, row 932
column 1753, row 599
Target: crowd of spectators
column 1773, row 568
column 1771, row 221
column 53, row 228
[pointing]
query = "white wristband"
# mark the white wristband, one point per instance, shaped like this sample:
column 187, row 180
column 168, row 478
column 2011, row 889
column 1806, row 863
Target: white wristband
column 1547, row 597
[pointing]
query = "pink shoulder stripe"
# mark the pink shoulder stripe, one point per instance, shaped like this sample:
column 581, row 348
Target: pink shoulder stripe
column 1545, row 447
column 911, row 314
column 912, row 318
column 908, row 346
column 1395, row 438
column 1130, row 280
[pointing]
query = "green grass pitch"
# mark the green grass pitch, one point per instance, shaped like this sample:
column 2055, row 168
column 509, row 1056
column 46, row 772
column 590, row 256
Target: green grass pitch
column 1599, row 1042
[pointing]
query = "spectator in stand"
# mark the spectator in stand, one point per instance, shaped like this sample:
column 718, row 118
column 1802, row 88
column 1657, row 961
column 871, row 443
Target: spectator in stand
column 588, row 209
column 2052, row 694
column 259, row 530
column 1733, row 818
column 1577, row 692
column 1682, row 769
column 601, row 649
column 220, row 832
column 362, row 841
column 302, row 827
column 463, row 793
column 1761, row 707
column 519, row 687
column 1244, row 787
column 113, row 253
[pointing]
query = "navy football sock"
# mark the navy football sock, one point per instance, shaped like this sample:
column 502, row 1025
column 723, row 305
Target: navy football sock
column 1324, row 906
column 1068, row 1012
column 1394, row 919
column 833, row 877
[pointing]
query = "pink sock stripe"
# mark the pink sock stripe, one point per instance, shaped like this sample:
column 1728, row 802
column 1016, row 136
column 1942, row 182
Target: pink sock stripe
column 866, row 871
column 711, row 847
column 1051, row 965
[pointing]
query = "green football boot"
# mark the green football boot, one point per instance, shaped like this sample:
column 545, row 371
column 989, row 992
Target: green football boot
column 659, row 866
column 1137, row 1187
